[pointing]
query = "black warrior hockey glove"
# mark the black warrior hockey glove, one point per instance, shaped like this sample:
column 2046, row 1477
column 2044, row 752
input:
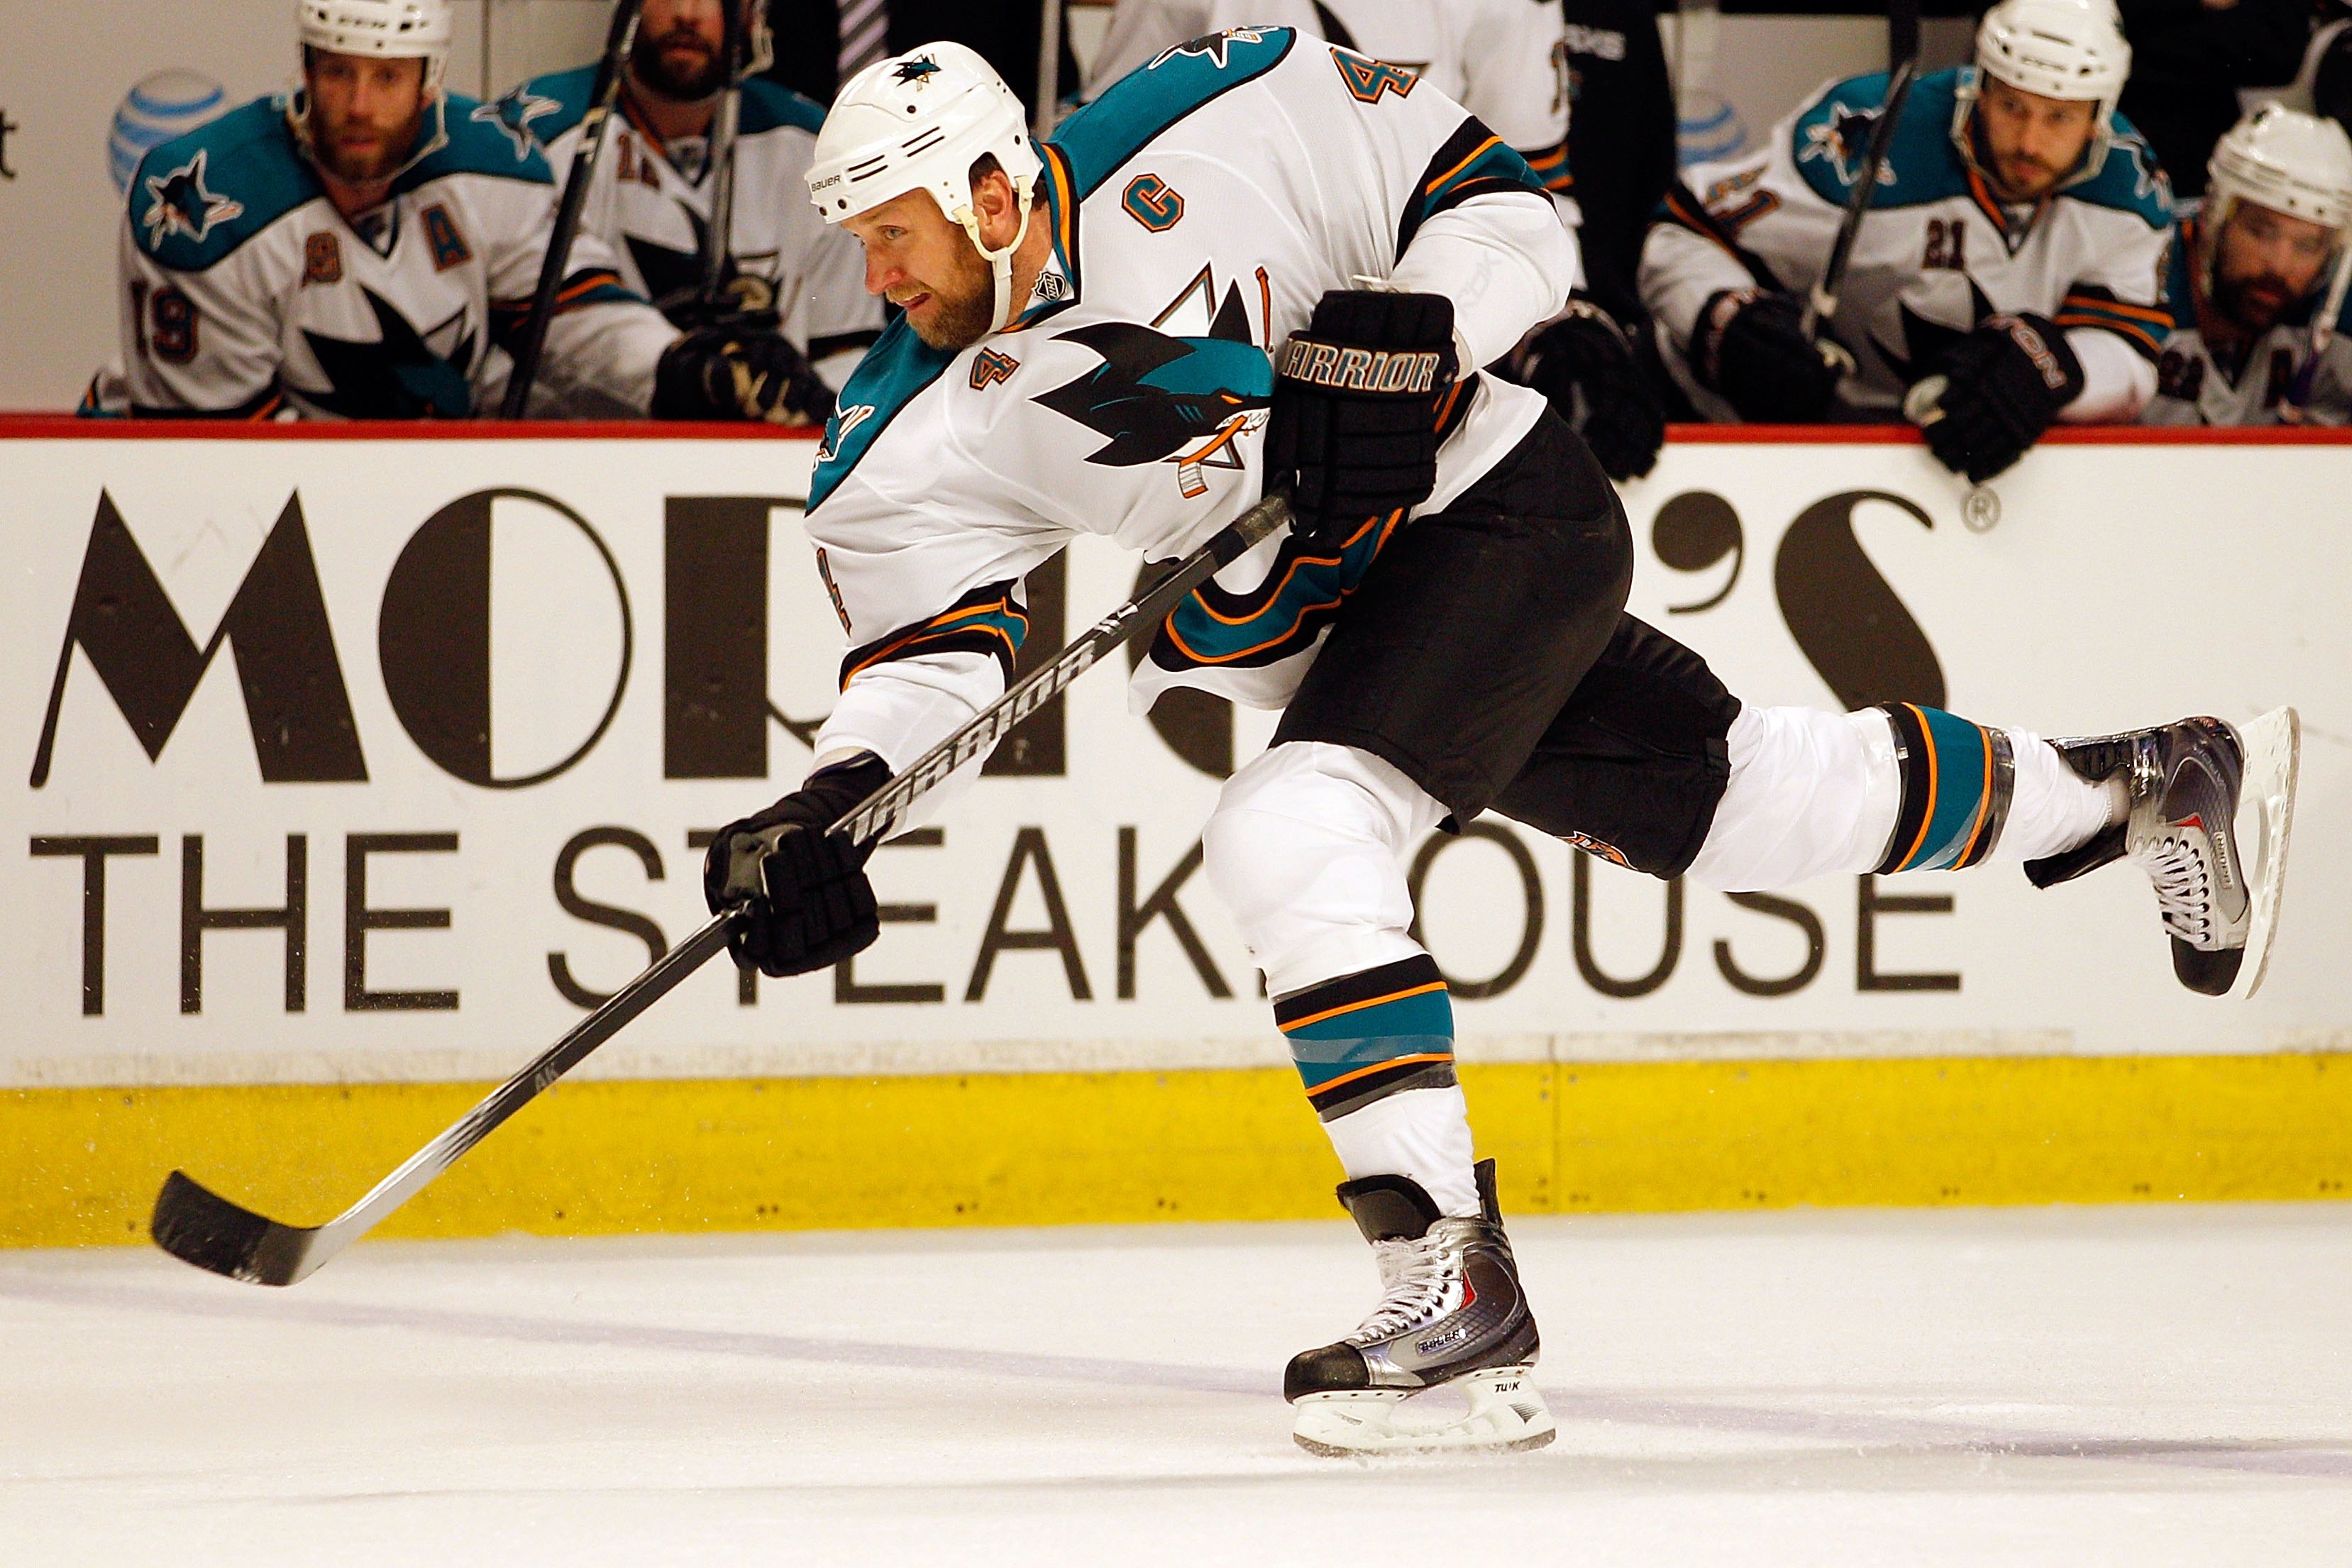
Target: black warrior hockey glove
column 807, row 904
column 1751, row 347
column 2006, row 382
column 1586, row 366
column 729, row 372
column 1354, row 428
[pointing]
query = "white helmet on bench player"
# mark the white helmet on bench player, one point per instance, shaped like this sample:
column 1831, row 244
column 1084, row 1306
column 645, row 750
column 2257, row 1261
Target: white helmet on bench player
column 918, row 121
column 2289, row 162
column 2072, row 50
column 382, row 29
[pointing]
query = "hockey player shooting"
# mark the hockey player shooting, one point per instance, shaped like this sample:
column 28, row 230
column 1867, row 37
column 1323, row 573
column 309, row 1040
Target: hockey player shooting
column 1505, row 61
column 366, row 247
column 655, row 186
column 2006, row 276
column 2257, row 281
column 1265, row 262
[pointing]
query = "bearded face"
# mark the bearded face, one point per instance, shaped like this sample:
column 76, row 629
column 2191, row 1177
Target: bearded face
column 2030, row 142
column 365, row 113
column 928, row 268
column 2263, row 261
column 679, row 54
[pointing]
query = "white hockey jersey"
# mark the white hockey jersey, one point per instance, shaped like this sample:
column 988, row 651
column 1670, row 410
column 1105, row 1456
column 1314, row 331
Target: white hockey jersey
column 245, row 294
column 2193, row 388
column 1200, row 209
column 1505, row 61
column 1937, row 254
column 651, row 205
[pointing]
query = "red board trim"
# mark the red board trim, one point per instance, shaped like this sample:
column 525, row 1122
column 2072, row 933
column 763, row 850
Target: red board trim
column 68, row 427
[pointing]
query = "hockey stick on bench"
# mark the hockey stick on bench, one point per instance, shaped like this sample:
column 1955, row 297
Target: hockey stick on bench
column 197, row 1225
column 595, row 127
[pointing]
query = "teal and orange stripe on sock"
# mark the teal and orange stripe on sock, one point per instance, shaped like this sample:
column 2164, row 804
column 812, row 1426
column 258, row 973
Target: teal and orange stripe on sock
column 1364, row 1036
column 1956, row 782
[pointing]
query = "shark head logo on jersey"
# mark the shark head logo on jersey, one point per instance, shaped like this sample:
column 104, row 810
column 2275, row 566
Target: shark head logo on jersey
column 404, row 375
column 513, row 114
column 179, row 203
column 1845, row 139
column 1158, row 398
column 1212, row 48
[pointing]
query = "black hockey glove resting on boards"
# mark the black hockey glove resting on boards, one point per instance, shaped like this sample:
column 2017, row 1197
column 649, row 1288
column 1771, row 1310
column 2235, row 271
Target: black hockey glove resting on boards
column 1586, row 358
column 1752, row 346
column 735, row 373
column 809, row 905
column 1353, row 427
column 2007, row 380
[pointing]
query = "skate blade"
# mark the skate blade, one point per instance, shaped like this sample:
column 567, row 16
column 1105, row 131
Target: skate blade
column 1505, row 1415
column 2272, row 749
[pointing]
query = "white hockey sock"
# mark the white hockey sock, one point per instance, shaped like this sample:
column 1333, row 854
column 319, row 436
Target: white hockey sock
column 2055, row 808
column 1424, row 1133
column 1810, row 793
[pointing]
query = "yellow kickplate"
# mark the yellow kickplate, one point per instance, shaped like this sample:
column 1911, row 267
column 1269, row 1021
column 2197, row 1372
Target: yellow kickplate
column 81, row 1165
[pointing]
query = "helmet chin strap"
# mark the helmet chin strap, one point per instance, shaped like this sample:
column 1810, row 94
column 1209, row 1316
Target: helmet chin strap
column 999, row 262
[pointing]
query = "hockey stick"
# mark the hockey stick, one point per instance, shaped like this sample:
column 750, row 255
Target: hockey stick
column 1049, row 68
column 1822, row 305
column 2323, row 331
column 197, row 1225
column 719, row 238
column 618, row 40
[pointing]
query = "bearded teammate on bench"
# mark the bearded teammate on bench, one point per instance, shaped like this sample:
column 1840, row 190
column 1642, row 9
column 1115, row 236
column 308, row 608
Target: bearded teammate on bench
column 1131, row 331
column 365, row 247
column 655, row 186
column 2013, row 251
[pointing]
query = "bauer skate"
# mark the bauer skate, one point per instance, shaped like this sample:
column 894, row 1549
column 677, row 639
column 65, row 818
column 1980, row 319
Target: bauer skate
column 1451, row 1314
column 2210, row 810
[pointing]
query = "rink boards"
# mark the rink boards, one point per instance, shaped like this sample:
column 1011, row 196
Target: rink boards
column 461, row 704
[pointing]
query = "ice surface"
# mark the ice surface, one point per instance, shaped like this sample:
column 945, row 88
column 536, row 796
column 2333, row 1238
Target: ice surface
column 2130, row 1387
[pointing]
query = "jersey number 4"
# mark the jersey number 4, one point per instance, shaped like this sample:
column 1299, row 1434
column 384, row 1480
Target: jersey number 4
column 1368, row 78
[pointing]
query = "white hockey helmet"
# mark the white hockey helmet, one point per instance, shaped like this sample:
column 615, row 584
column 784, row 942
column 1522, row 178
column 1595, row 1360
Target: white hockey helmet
column 918, row 121
column 2289, row 162
column 385, row 30
column 2069, row 49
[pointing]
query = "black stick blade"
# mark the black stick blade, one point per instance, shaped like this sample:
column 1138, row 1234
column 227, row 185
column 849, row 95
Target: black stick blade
column 198, row 1225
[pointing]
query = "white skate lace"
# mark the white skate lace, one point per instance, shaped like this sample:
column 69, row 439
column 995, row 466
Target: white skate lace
column 1415, row 1276
column 2184, row 888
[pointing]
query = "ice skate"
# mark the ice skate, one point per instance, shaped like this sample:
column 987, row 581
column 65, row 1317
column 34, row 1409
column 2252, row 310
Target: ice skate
column 2210, row 808
column 1451, row 1315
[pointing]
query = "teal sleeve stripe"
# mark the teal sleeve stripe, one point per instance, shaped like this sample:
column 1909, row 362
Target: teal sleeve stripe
column 1498, row 168
column 1302, row 592
column 1428, row 1013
